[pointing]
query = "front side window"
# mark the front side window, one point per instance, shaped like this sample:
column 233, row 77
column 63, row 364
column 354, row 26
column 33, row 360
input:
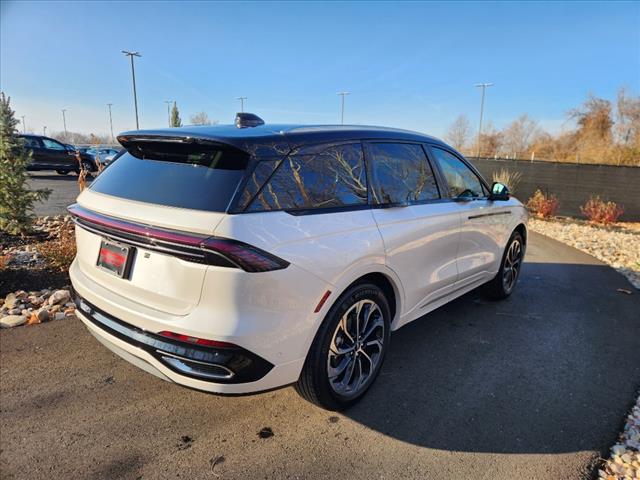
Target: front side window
column 462, row 181
column 52, row 144
column 401, row 174
column 335, row 177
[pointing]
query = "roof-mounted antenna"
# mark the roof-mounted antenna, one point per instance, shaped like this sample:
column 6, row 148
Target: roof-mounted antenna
column 246, row 120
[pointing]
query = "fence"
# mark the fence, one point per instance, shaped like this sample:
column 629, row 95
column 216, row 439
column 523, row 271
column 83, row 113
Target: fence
column 572, row 184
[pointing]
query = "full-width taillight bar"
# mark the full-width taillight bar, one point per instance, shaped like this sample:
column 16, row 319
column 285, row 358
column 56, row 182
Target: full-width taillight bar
column 189, row 246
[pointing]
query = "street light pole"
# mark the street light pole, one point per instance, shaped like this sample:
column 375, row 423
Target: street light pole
column 342, row 94
column 242, row 99
column 484, row 87
column 111, row 122
column 133, row 76
column 168, row 102
column 64, row 122
column 24, row 124
column 44, row 131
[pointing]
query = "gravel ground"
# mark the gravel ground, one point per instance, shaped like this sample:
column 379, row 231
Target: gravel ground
column 624, row 462
column 618, row 245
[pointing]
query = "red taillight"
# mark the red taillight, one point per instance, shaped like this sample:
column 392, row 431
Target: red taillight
column 198, row 247
column 195, row 340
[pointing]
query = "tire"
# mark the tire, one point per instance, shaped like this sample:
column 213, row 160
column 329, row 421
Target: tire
column 62, row 172
column 505, row 280
column 367, row 303
column 88, row 166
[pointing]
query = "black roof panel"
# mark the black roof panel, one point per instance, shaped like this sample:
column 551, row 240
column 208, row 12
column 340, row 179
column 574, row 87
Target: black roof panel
column 278, row 136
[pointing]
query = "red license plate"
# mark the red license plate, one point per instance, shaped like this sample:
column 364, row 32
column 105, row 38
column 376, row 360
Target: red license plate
column 115, row 258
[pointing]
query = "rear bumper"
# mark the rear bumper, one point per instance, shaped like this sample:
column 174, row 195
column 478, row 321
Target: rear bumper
column 272, row 338
column 217, row 364
column 277, row 376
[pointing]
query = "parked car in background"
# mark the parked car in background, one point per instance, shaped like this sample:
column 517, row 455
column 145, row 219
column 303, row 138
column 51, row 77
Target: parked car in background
column 50, row 154
column 251, row 257
column 109, row 159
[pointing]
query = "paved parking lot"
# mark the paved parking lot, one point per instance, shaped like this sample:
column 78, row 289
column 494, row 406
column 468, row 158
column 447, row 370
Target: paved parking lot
column 533, row 387
column 64, row 190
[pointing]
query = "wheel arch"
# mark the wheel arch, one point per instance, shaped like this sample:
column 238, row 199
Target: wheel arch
column 522, row 230
column 383, row 278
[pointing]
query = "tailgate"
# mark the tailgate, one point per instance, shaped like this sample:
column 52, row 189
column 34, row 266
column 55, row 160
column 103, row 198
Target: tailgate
column 158, row 280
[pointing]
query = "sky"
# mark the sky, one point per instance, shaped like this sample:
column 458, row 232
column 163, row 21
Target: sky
column 409, row 65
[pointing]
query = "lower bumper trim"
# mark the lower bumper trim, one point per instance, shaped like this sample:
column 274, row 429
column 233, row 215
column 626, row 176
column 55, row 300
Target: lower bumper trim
column 215, row 364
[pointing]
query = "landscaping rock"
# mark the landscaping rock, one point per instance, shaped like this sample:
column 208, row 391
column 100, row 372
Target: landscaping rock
column 59, row 296
column 10, row 301
column 624, row 462
column 11, row 321
column 616, row 246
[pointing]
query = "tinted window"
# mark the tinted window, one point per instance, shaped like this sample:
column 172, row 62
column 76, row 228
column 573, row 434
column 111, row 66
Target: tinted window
column 52, row 144
column 31, row 142
column 178, row 175
column 260, row 174
column 400, row 174
column 335, row 177
column 460, row 178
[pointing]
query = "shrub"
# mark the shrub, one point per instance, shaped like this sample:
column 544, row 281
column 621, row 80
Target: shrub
column 16, row 198
column 599, row 211
column 542, row 205
column 59, row 253
column 510, row 179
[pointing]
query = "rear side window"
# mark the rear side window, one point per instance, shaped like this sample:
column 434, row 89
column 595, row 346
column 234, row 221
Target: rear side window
column 334, row 178
column 463, row 183
column 401, row 174
column 31, row 142
column 199, row 177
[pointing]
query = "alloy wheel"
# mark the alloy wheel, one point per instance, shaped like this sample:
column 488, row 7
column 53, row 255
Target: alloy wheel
column 511, row 267
column 356, row 348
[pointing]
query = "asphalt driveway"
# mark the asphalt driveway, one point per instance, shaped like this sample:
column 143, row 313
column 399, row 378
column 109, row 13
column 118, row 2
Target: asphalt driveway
column 533, row 387
column 64, row 190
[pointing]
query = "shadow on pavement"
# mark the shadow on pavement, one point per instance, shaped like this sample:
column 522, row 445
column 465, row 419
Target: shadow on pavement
column 552, row 369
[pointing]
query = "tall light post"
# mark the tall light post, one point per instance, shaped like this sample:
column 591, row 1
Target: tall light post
column 342, row 94
column 133, row 76
column 484, row 87
column 24, row 124
column 168, row 102
column 64, row 122
column 242, row 99
column 44, row 131
column 111, row 121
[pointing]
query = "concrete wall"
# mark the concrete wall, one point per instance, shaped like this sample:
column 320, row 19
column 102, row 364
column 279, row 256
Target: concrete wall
column 572, row 184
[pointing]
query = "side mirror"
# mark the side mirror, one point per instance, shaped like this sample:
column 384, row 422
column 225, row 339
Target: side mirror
column 499, row 192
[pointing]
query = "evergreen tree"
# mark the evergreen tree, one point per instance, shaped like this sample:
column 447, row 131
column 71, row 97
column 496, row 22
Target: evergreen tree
column 16, row 198
column 175, row 116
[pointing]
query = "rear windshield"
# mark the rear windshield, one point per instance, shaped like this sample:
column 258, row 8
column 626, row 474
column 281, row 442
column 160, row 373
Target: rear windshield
column 199, row 177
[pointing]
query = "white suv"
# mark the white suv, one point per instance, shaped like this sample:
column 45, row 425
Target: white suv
column 236, row 259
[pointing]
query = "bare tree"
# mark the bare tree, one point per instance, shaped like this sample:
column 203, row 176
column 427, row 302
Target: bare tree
column 490, row 141
column 459, row 132
column 627, row 126
column 518, row 135
column 201, row 118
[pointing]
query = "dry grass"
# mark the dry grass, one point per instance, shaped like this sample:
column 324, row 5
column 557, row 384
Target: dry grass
column 60, row 252
column 510, row 179
column 4, row 261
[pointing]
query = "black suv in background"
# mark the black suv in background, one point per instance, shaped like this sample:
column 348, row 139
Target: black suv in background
column 50, row 154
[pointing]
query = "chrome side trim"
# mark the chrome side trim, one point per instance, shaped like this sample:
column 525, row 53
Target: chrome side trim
column 471, row 217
